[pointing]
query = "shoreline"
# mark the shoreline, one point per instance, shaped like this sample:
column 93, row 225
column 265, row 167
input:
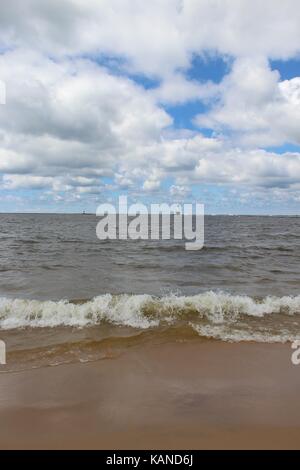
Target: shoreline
column 194, row 395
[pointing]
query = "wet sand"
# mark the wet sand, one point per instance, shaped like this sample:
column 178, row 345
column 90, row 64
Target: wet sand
column 190, row 395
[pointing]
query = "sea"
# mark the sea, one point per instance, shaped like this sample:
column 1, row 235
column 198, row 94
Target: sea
column 66, row 296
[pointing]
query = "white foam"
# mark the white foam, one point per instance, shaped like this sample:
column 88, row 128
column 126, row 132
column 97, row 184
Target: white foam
column 204, row 312
column 232, row 335
column 222, row 307
column 121, row 310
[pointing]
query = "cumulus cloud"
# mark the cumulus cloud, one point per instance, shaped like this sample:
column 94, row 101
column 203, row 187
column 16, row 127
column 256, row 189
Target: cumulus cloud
column 155, row 37
column 26, row 182
column 179, row 192
column 256, row 106
column 253, row 167
column 151, row 185
column 176, row 89
column 72, row 116
column 78, row 109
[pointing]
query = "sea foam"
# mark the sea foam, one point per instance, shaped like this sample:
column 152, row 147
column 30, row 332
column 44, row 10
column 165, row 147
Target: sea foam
column 145, row 311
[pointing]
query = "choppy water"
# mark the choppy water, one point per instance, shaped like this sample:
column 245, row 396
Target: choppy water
column 67, row 296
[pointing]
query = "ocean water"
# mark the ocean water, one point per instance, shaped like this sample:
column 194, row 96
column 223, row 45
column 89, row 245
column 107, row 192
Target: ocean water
column 65, row 296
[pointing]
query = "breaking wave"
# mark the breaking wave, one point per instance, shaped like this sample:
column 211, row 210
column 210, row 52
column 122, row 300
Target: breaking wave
column 210, row 314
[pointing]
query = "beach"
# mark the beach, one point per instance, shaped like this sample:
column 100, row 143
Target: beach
column 150, row 226
column 144, row 345
column 200, row 394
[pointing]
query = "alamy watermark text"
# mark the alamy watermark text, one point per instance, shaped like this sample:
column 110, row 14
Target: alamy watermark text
column 160, row 222
column 2, row 353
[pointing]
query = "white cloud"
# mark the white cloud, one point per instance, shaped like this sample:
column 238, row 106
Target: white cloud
column 156, row 37
column 154, row 176
column 253, row 167
column 179, row 192
column 2, row 93
column 26, row 182
column 123, row 181
column 256, row 106
column 176, row 89
column 80, row 185
column 151, row 185
column 69, row 121
column 72, row 116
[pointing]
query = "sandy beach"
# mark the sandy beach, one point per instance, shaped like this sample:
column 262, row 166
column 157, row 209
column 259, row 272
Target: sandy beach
column 194, row 395
column 150, row 225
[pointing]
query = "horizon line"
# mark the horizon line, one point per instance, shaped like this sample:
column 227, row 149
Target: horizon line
column 230, row 214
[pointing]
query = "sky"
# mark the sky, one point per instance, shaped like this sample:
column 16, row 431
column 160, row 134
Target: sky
column 163, row 101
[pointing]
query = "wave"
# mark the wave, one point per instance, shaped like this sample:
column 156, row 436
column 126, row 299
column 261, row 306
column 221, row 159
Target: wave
column 237, row 335
column 210, row 314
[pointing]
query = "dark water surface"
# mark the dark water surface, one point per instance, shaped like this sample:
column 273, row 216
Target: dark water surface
column 65, row 296
column 59, row 257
